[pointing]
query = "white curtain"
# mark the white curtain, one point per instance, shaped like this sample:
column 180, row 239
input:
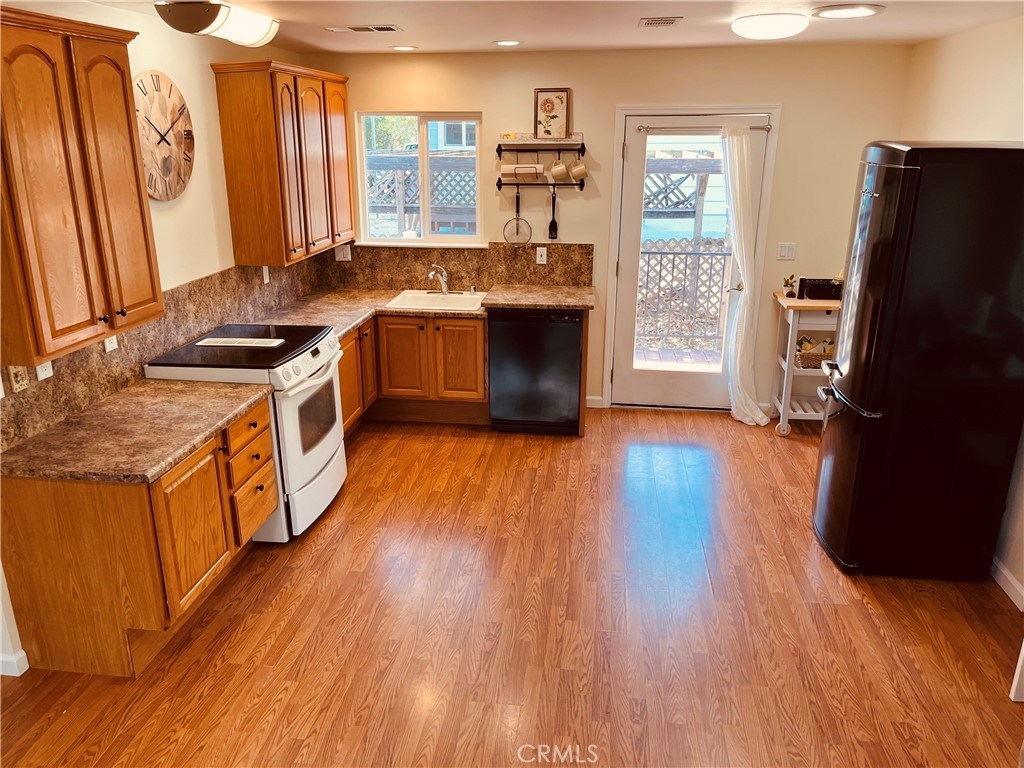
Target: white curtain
column 739, row 346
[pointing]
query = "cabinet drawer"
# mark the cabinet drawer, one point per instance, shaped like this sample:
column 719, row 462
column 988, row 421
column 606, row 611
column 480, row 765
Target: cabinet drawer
column 252, row 504
column 245, row 462
column 248, row 426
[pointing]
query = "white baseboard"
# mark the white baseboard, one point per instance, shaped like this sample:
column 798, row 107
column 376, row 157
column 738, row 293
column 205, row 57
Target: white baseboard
column 13, row 664
column 595, row 401
column 1008, row 582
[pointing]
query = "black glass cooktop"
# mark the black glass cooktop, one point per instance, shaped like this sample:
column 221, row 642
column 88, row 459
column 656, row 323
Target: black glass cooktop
column 245, row 346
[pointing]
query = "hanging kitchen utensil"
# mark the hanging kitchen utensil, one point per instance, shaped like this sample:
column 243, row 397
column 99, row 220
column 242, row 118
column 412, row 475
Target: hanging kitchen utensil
column 553, row 224
column 518, row 231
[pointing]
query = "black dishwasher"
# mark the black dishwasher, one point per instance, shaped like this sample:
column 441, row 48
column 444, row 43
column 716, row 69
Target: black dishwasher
column 535, row 366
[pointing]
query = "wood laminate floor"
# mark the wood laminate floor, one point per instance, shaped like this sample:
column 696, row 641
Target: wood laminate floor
column 653, row 590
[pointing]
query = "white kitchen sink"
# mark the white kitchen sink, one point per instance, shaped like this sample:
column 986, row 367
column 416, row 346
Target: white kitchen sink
column 435, row 300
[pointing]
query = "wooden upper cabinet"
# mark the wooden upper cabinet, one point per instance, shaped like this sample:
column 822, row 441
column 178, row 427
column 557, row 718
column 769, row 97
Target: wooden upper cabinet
column 336, row 101
column 285, row 105
column 115, row 166
column 52, row 250
column 459, row 359
column 315, row 186
column 78, row 257
column 404, row 357
column 192, row 528
column 271, row 112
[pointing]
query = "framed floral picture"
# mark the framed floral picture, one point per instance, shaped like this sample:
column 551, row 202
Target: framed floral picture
column 552, row 112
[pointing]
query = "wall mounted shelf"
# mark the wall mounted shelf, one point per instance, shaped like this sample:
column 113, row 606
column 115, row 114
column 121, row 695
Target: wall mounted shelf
column 549, row 184
column 521, row 143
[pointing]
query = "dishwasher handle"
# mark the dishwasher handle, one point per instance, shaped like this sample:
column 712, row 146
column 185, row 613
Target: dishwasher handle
column 574, row 317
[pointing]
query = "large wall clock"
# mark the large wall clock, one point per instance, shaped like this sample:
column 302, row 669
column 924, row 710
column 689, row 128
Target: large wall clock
column 165, row 130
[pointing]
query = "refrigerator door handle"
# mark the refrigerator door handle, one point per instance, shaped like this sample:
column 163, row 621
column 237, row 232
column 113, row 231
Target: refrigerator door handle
column 834, row 392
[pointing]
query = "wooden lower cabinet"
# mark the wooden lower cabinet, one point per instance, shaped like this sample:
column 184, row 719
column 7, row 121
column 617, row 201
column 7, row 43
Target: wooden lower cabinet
column 98, row 571
column 357, row 371
column 436, row 358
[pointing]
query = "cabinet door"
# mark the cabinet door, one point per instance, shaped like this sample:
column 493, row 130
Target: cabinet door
column 458, row 359
column 404, row 357
column 350, row 379
column 192, row 529
column 286, row 109
column 315, row 185
column 368, row 359
column 336, row 100
column 111, row 142
column 55, row 243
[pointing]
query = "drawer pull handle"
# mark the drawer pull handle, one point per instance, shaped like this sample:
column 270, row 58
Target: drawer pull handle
column 254, row 424
column 260, row 488
column 122, row 312
column 255, row 457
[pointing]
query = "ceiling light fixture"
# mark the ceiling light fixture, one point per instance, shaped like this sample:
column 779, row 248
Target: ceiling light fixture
column 770, row 26
column 847, row 11
column 506, row 43
column 219, row 19
column 403, row 48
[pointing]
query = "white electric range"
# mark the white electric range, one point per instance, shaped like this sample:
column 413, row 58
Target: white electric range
column 301, row 362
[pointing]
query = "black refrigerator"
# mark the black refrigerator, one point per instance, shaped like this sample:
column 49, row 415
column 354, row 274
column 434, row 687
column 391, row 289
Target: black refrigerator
column 929, row 366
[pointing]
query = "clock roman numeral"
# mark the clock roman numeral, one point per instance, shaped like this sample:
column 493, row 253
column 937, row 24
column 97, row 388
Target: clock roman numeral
column 181, row 109
column 187, row 156
column 156, row 81
column 142, row 87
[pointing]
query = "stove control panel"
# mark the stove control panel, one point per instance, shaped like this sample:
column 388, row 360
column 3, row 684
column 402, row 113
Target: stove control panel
column 299, row 369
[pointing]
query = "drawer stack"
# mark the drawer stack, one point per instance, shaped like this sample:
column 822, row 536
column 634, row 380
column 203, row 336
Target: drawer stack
column 250, row 473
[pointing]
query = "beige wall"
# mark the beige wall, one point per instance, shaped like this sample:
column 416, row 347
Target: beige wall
column 192, row 233
column 834, row 99
column 970, row 87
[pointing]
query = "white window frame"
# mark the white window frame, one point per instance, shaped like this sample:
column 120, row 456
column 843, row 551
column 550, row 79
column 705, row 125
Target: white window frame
column 426, row 239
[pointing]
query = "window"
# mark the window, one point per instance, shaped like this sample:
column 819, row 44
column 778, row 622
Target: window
column 411, row 158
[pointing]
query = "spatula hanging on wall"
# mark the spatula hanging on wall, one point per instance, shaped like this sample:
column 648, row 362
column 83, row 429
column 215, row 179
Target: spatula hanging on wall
column 553, row 225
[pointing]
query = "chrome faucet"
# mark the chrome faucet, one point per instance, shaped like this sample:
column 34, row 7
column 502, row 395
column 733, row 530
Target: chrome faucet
column 441, row 274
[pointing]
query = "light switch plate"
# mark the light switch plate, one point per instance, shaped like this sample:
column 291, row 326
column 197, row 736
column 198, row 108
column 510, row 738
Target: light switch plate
column 542, row 254
column 266, row 275
column 110, row 344
column 18, row 375
column 787, row 251
column 44, row 371
column 343, row 252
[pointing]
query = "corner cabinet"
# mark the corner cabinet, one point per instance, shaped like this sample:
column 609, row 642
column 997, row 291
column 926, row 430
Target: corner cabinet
column 286, row 158
column 78, row 260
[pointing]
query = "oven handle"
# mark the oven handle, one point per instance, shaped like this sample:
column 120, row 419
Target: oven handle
column 329, row 369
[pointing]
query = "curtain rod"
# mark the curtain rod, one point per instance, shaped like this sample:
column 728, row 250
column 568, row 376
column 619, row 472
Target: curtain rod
column 675, row 129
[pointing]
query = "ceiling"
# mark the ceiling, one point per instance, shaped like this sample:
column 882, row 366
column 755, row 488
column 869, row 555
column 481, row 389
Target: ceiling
column 474, row 25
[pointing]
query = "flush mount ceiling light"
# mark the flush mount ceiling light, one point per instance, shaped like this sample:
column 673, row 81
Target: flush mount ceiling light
column 403, row 47
column 506, row 43
column 219, row 19
column 770, row 26
column 847, row 11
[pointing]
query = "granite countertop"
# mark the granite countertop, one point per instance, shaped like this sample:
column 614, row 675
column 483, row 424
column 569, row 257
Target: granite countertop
column 135, row 435
column 344, row 309
column 540, row 297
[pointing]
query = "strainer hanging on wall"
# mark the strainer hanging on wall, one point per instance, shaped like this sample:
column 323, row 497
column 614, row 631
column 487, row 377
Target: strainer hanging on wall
column 518, row 231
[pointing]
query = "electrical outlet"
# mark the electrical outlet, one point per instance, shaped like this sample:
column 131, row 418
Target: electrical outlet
column 44, row 371
column 343, row 252
column 110, row 344
column 542, row 254
column 787, row 251
column 266, row 275
column 18, row 374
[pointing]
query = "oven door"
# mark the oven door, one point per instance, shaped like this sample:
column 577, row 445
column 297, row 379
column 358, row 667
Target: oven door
column 309, row 425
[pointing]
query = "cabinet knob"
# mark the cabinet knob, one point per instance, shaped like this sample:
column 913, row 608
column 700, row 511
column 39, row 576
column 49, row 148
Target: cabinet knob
column 254, row 424
column 260, row 488
column 223, row 449
column 296, row 250
column 104, row 318
column 338, row 235
column 437, row 327
column 122, row 312
column 312, row 243
column 255, row 457
column 421, row 327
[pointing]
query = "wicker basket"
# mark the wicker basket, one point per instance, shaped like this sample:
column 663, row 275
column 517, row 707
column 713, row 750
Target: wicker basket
column 811, row 359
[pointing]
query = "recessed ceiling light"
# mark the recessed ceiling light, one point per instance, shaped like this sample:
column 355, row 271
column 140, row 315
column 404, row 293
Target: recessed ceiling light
column 770, row 26
column 403, row 48
column 847, row 11
column 506, row 43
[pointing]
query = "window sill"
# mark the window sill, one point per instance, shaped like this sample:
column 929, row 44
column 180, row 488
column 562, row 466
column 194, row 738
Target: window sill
column 418, row 244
